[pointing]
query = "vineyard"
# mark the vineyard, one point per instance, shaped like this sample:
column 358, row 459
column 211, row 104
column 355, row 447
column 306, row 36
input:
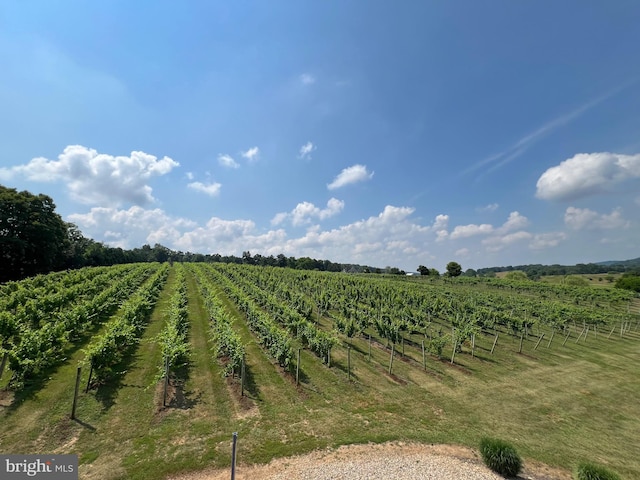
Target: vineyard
column 171, row 359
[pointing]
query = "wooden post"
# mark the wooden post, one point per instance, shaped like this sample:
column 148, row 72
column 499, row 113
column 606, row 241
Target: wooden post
column 166, row 381
column 424, row 357
column 402, row 345
column 495, row 341
column 4, row 363
column 75, row 395
column 521, row 338
column 580, row 335
column 349, row 363
column 595, row 331
column 612, row 329
column 538, row 342
column 553, row 332
column 586, row 333
column 298, row 369
column 473, row 344
column 393, row 346
column 242, row 369
column 567, row 337
column 329, row 358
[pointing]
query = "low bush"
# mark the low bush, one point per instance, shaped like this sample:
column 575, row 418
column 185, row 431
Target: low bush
column 591, row 471
column 500, row 456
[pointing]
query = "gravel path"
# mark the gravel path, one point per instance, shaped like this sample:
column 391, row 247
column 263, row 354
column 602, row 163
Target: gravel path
column 388, row 461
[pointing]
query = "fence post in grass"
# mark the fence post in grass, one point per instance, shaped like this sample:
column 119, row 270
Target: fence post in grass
column 329, row 358
column 453, row 353
column 621, row 324
column 349, row 363
column 567, row 337
column 538, row 342
column 298, row 369
column 75, row 395
column 553, row 332
column 233, row 455
column 495, row 341
column 586, row 333
column 4, row 363
column 424, row 357
column 166, row 381
column 393, row 346
column 242, row 370
column 402, row 345
column 473, row 344
column 369, row 347
column 612, row 329
column 580, row 335
column 89, row 379
column 521, row 338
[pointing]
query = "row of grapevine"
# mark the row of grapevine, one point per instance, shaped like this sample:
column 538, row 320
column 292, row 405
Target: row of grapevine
column 173, row 339
column 39, row 306
column 31, row 351
column 269, row 296
column 107, row 350
column 275, row 340
column 227, row 343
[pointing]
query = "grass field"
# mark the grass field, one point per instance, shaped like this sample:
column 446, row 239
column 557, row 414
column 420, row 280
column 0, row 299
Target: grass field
column 557, row 404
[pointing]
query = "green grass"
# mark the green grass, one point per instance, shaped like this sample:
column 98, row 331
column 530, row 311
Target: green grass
column 558, row 405
column 500, row 456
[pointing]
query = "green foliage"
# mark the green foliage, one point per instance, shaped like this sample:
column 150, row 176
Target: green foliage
column 454, row 269
column 423, row 270
column 591, row 471
column 629, row 282
column 575, row 281
column 33, row 238
column 500, row 456
column 516, row 275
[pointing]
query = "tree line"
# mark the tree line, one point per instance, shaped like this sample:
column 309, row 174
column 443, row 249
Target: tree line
column 35, row 239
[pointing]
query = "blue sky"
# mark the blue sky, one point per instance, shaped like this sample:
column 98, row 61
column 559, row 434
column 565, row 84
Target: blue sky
column 380, row 133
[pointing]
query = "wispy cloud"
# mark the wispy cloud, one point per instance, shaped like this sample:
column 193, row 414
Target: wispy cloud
column 227, row 161
column 305, row 151
column 252, row 154
column 500, row 159
column 349, row 175
column 307, row 79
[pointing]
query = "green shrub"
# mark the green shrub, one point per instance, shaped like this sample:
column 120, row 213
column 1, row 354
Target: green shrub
column 591, row 471
column 500, row 456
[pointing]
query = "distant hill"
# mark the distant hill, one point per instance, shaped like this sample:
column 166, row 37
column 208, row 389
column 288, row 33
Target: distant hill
column 635, row 262
column 538, row 270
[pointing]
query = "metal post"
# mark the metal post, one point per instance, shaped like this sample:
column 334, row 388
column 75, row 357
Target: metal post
column 75, row 395
column 233, row 456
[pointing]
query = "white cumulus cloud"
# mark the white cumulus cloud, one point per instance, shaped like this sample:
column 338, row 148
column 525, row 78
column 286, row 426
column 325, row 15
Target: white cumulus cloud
column 211, row 189
column 499, row 242
column 463, row 231
column 585, row 219
column 587, row 174
column 97, row 178
column 547, row 240
column 227, row 161
column 305, row 212
column 354, row 174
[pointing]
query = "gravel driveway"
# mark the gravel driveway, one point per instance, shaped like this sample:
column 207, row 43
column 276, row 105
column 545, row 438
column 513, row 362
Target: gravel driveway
column 389, row 461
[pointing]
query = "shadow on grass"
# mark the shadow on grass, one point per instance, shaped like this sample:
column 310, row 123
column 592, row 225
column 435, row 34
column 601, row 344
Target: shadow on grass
column 250, row 386
column 84, row 424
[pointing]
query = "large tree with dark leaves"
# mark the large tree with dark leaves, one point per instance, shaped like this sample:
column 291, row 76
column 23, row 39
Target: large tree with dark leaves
column 33, row 237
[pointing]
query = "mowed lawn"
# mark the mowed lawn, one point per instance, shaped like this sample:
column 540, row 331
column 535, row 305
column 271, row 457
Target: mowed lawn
column 557, row 404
